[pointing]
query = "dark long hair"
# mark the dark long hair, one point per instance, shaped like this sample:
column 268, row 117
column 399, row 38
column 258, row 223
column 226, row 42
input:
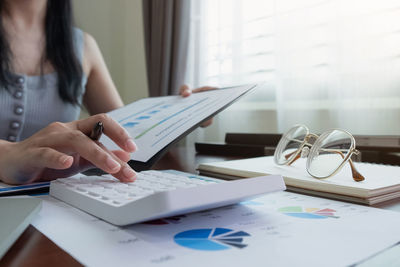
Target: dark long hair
column 59, row 50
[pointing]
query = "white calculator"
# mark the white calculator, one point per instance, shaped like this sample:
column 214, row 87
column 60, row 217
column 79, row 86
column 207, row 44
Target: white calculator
column 157, row 194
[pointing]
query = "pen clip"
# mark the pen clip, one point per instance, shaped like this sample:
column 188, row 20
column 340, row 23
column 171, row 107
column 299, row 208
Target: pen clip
column 97, row 131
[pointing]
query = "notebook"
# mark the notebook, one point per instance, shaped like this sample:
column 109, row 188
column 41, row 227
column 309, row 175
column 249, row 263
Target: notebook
column 382, row 182
column 11, row 190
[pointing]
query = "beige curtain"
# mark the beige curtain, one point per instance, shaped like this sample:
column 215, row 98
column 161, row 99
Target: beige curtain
column 166, row 24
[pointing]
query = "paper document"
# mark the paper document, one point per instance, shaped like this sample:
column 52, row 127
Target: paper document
column 6, row 189
column 279, row 229
column 155, row 122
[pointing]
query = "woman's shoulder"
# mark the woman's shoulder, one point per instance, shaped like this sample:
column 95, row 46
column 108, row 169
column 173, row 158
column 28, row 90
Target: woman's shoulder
column 89, row 49
column 86, row 40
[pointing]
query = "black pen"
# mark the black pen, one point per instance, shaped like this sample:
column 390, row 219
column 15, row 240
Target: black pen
column 97, row 131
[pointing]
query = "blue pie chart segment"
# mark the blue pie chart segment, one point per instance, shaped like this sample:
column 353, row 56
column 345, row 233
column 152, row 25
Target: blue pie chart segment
column 203, row 244
column 211, row 239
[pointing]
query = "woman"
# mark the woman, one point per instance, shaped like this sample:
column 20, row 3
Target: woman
column 47, row 70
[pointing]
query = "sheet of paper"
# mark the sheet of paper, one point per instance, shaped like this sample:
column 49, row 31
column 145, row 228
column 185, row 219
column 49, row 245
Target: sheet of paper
column 90, row 240
column 280, row 229
column 153, row 123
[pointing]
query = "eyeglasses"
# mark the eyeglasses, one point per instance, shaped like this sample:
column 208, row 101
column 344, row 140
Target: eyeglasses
column 326, row 154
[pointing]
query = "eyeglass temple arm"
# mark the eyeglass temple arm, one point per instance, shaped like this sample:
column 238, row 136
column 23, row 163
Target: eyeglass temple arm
column 356, row 175
column 295, row 158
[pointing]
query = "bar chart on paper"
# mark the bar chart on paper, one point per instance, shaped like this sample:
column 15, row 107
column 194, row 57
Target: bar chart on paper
column 211, row 239
column 155, row 118
column 156, row 122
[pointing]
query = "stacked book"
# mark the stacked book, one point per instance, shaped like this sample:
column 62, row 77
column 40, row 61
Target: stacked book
column 382, row 182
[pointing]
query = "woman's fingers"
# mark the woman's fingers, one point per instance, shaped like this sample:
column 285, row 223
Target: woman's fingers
column 119, row 135
column 111, row 128
column 125, row 174
column 204, row 88
column 185, row 91
column 77, row 142
column 122, row 155
column 51, row 158
column 207, row 123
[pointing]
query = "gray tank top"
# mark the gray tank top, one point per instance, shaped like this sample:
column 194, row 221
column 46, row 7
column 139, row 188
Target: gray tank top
column 33, row 102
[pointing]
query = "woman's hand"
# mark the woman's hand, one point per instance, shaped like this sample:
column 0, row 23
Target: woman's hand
column 185, row 91
column 64, row 149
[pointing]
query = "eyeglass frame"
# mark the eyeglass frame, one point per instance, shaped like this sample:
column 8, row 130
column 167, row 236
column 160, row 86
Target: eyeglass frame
column 357, row 176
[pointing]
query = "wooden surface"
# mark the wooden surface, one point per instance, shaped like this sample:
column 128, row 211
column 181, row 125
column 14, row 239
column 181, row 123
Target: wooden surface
column 35, row 249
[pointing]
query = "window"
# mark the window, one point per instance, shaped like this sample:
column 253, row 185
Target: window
column 323, row 63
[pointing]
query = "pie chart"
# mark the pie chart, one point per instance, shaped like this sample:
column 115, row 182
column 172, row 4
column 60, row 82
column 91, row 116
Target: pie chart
column 211, row 239
column 308, row 213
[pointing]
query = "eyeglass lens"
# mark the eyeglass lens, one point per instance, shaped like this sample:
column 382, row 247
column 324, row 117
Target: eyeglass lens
column 289, row 144
column 328, row 153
